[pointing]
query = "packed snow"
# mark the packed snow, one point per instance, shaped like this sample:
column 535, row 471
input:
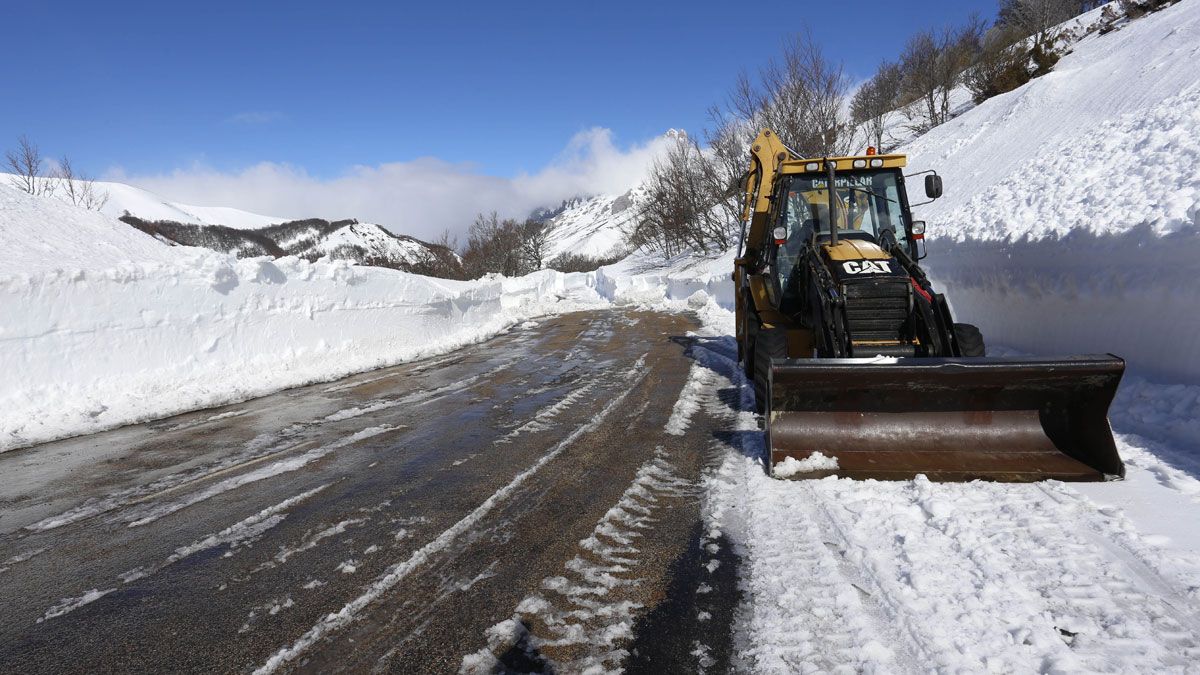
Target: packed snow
column 790, row 466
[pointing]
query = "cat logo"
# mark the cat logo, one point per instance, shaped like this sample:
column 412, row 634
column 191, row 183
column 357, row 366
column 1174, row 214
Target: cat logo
column 866, row 267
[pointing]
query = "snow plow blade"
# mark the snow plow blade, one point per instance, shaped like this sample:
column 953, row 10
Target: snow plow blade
column 960, row 419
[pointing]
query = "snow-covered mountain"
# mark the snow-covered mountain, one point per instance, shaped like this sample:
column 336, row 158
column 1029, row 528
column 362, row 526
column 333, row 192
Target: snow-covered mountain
column 593, row 226
column 246, row 234
column 127, row 199
column 311, row 239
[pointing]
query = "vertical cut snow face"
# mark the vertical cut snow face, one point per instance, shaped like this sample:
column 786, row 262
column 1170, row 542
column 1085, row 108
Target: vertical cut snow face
column 106, row 326
column 1074, row 199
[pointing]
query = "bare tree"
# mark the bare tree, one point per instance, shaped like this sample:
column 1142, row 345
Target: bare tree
column 933, row 63
column 1037, row 18
column 26, row 164
column 727, row 156
column 875, row 99
column 801, row 97
column 684, row 210
column 1002, row 65
column 504, row 246
column 78, row 187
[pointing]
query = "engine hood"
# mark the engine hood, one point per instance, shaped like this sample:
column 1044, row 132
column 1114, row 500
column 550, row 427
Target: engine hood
column 860, row 260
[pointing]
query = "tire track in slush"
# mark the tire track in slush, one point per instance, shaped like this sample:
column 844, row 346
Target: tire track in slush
column 581, row 618
column 399, row 571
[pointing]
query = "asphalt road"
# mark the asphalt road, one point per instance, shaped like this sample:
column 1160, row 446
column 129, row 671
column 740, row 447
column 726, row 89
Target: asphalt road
column 518, row 505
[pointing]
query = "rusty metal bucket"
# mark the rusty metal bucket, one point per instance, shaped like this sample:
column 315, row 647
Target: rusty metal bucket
column 1001, row 419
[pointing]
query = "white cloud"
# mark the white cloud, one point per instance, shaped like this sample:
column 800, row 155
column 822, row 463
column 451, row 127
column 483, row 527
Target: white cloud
column 422, row 197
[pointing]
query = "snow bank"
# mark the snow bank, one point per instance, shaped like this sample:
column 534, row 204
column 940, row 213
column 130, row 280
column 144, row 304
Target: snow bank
column 88, row 350
column 685, row 282
column 1071, row 221
column 104, row 326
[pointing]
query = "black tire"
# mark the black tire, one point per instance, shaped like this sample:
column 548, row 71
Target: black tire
column 969, row 339
column 768, row 344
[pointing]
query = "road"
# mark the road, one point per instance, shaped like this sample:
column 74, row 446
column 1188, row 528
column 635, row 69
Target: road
column 518, row 504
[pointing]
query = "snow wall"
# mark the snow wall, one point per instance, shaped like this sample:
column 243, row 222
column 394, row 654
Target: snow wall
column 1071, row 221
column 89, row 349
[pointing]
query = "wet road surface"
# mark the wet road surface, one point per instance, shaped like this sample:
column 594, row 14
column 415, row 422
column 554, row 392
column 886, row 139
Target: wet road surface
column 532, row 503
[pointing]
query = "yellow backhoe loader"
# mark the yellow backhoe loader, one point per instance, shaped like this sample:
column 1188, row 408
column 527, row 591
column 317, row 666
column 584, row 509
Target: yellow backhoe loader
column 857, row 363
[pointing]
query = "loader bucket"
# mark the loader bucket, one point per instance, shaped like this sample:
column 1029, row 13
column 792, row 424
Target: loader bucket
column 1000, row 419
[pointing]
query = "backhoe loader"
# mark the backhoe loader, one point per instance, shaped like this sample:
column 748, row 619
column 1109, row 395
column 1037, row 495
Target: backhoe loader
column 857, row 363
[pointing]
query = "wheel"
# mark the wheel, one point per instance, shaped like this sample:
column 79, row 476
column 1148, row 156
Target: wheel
column 768, row 344
column 969, row 339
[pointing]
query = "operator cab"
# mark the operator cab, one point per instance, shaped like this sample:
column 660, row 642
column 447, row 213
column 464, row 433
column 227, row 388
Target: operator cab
column 869, row 206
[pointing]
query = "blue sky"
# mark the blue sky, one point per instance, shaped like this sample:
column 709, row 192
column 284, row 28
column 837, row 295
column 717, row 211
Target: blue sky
column 138, row 89
column 156, row 85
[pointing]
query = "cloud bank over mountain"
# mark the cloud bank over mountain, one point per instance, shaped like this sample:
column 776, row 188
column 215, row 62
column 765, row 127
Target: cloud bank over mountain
column 422, row 197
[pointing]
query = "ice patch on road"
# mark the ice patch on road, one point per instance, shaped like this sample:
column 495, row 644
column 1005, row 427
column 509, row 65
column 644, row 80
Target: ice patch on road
column 282, row 466
column 68, row 605
column 20, row 558
column 310, row 541
column 246, row 530
column 542, row 420
column 242, row 533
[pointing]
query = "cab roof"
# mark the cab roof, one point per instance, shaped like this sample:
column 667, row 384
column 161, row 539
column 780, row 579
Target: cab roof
column 817, row 165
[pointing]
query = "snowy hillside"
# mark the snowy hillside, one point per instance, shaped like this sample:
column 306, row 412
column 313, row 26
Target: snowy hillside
column 594, row 227
column 245, row 234
column 42, row 235
column 1071, row 221
column 124, row 199
column 311, row 239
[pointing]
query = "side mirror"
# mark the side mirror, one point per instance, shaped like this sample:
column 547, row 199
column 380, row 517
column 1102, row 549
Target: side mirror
column 933, row 186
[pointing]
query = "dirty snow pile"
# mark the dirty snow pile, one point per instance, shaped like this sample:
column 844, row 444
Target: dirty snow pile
column 1071, row 221
column 103, row 325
